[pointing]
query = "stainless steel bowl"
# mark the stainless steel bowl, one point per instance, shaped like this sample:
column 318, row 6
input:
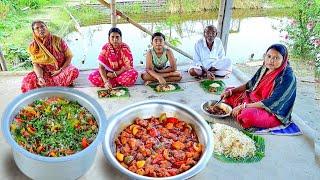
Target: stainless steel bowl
column 40, row 167
column 226, row 107
column 146, row 109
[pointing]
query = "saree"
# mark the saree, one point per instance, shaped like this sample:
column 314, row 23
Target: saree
column 113, row 59
column 276, row 91
column 50, row 55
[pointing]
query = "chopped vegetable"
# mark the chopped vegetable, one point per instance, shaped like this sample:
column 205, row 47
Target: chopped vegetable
column 54, row 127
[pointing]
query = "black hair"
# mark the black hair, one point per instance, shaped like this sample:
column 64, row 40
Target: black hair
column 282, row 49
column 37, row 21
column 158, row 34
column 115, row 30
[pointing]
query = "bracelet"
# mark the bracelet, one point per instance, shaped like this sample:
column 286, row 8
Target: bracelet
column 115, row 74
column 244, row 105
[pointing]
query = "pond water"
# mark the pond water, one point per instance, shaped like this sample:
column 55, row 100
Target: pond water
column 249, row 36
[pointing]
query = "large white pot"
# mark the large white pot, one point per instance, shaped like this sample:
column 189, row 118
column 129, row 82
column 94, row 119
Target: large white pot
column 40, row 167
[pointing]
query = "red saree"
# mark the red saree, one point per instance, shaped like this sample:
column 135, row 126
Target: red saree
column 113, row 59
column 54, row 48
column 261, row 90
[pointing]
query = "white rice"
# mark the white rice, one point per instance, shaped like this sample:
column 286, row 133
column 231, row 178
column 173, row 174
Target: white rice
column 231, row 142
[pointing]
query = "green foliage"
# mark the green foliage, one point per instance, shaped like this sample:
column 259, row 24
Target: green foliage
column 282, row 3
column 4, row 9
column 16, row 54
column 303, row 31
column 166, row 28
column 134, row 8
column 87, row 15
column 191, row 5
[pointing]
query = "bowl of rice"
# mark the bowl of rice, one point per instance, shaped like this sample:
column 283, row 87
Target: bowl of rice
column 54, row 132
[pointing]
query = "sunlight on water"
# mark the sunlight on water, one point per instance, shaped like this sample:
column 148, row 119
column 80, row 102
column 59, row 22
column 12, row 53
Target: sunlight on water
column 250, row 36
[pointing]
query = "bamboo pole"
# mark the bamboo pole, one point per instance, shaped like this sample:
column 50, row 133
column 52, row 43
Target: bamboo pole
column 224, row 19
column 76, row 23
column 113, row 13
column 2, row 61
column 143, row 28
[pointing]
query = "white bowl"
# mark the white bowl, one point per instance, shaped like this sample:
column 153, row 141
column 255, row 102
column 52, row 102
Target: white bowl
column 40, row 167
column 226, row 107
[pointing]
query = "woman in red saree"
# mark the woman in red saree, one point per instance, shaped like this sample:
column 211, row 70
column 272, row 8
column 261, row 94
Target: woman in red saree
column 266, row 100
column 115, row 64
column 51, row 60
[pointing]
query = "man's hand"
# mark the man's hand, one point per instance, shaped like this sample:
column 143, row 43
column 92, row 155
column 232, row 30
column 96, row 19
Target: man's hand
column 210, row 75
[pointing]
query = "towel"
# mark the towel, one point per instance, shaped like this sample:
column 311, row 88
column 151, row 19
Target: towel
column 290, row 129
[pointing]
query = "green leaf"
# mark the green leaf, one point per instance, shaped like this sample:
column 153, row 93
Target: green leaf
column 260, row 149
column 205, row 84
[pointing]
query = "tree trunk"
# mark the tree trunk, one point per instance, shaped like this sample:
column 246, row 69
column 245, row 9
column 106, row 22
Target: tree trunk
column 3, row 66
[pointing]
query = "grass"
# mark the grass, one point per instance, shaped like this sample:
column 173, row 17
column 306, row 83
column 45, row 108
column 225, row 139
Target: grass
column 87, row 15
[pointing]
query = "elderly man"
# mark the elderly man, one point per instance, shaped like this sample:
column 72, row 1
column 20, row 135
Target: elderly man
column 209, row 57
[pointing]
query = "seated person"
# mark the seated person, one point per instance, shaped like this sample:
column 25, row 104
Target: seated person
column 51, row 60
column 156, row 62
column 115, row 63
column 209, row 57
column 267, row 99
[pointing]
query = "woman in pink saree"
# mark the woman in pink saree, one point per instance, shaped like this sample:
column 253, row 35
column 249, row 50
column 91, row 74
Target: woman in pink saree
column 115, row 64
column 51, row 60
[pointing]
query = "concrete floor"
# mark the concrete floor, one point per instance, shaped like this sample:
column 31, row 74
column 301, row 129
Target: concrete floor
column 286, row 157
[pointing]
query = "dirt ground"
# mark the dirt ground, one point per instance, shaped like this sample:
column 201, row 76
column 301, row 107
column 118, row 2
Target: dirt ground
column 308, row 90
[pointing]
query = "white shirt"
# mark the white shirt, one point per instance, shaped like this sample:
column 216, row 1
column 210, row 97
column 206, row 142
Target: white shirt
column 206, row 58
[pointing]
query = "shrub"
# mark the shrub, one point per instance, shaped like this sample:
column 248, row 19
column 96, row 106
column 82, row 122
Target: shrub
column 302, row 32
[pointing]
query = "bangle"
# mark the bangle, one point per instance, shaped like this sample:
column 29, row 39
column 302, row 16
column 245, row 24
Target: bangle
column 244, row 105
column 230, row 92
column 115, row 74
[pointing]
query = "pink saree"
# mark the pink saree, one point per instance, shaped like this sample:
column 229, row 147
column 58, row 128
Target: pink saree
column 113, row 60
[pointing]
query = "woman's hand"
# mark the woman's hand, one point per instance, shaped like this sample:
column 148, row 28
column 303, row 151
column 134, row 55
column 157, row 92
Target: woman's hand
column 41, row 81
column 226, row 94
column 107, row 85
column 54, row 73
column 237, row 110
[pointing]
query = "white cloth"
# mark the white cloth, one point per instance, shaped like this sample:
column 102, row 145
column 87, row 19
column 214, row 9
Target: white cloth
column 214, row 58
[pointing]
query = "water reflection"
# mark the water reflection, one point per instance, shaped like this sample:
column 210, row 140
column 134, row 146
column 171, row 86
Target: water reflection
column 249, row 36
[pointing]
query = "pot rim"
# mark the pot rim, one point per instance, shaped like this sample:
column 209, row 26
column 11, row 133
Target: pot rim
column 5, row 123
